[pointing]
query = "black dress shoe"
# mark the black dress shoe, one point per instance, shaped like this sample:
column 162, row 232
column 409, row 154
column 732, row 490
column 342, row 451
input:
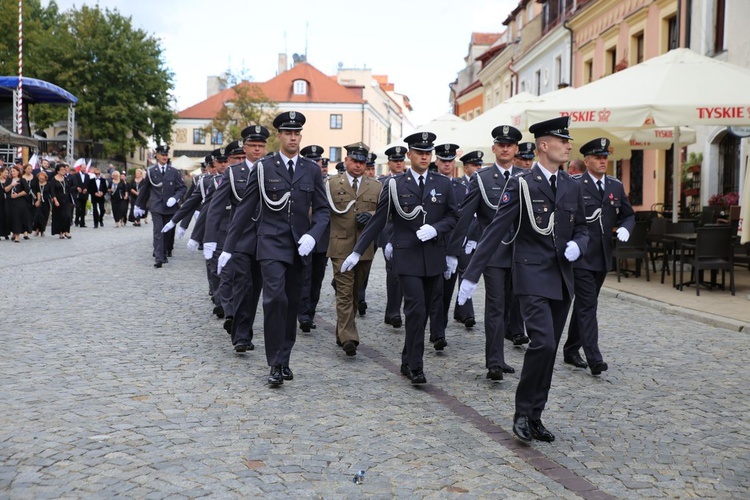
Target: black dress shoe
column 469, row 322
column 242, row 346
column 228, row 321
column 286, row 373
column 521, row 429
column 166, row 260
column 575, row 360
column 495, row 373
column 219, row 312
column 507, row 368
column 440, row 344
column 598, row 368
column 405, row 370
column 169, row 254
column 274, row 378
column 157, row 265
column 519, row 339
column 305, row 326
column 396, row 322
column 417, row 377
column 539, row 432
column 350, row 348
column 313, row 325
column 362, row 307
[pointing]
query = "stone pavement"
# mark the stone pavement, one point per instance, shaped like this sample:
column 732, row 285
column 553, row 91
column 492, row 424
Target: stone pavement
column 116, row 381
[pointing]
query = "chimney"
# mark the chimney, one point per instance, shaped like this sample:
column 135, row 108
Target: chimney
column 213, row 86
column 282, row 64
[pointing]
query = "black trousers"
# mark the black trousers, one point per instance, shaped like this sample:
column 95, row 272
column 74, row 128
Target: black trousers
column 244, row 273
column 98, row 210
column 314, row 274
column 394, row 295
column 282, row 286
column 545, row 320
column 80, row 219
column 583, row 330
column 160, row 254
column 419, row 293
column 497, row 286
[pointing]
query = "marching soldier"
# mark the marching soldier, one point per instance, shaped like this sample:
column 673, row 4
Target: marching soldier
column 207, row 167
column 525, row 155
column 424, row 211
column 551, row 235
column 352, row 198
column 394, row 297
column 487, row 188
column 241, row 275
column 607, row 206
column 284, row 191
column 162, row 188
column 316, row 271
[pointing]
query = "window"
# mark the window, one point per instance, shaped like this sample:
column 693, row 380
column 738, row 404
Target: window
column 335, row 153
column 538, row 82
column 217, row 138
column 719, row 26
column 672, row 33
column 558, row 71
column 638, row 48
column 199, row 136
column 610, row 60
column 300, row 87
column 588, row 71
column 337, row 121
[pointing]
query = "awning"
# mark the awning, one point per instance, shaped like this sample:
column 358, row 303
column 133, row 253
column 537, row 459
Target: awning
column 13, row 139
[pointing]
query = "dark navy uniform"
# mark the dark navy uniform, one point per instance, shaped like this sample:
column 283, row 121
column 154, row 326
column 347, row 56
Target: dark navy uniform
column 591, row 269
column 284, row 204
column 419, row 264
column 542, row 274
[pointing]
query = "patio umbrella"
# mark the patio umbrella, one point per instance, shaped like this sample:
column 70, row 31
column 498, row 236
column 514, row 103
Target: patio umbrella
column 442, row 126
column 744, row 228
column 674, row 89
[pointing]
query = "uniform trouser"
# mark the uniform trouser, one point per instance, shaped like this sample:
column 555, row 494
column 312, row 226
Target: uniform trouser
column 347, row 296
column 214, row 280
column 584, row 328
column 466, row 311
column 80, row 211
column 282, row 284
column 363, row 289
column 437, row 314
column 419, row 294
column 545, row 320
column 393, row 292
column 514, row 325
column 497, row 286
column 247, row 282
column 97, row 204
column 169, row 240
column 314, row 274
column 160, row 255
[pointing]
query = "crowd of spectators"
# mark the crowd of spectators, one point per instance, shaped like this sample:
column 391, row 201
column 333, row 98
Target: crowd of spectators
column 54, row 196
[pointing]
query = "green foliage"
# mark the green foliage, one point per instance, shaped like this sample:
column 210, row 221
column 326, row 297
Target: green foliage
column 249, row 106
column 115, row 70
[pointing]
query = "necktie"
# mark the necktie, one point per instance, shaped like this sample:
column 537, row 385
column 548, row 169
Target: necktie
column 507, row 175
column 291, row 169
column 162, row 170
column 553, row 183
column 354, row 185
column 600, row 187
column 421, row 185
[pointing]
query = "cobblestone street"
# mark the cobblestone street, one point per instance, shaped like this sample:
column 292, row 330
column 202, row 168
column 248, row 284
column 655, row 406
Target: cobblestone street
column 117, row 380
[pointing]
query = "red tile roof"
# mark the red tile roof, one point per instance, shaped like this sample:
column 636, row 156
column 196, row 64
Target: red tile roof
column 280, row 89
column 484, row 38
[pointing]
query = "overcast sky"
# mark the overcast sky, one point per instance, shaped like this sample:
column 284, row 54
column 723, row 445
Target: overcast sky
column 419, row 44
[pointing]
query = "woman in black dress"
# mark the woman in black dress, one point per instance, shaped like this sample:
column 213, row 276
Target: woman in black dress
column 41, row 189
column 17, row 190
column 133, row 187
column 4, row 205
column 61, row 203
column 118, row 191
column 28, row 179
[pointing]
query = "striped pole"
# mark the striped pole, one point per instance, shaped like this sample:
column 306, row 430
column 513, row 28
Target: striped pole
column 20, row 72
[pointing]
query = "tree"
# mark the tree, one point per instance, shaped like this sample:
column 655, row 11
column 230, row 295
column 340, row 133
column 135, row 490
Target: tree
column 116, row 71
column 249, row 106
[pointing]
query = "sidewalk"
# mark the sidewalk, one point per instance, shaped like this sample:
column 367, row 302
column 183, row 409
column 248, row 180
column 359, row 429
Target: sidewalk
column 714, row 307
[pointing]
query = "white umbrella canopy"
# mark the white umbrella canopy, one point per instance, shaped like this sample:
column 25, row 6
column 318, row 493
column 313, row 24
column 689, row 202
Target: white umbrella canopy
column 442, row 126
column 186, row 163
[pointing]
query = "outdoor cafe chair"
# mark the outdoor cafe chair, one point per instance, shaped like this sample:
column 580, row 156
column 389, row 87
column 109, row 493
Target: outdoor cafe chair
column 635, row 248
column 713, row 250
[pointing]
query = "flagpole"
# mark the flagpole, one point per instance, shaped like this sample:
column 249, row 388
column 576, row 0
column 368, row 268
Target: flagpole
column 19, row 100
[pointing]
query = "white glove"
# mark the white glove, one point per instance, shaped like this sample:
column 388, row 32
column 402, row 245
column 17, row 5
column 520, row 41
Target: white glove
column 192, row 245
column 623, row 234
column 572, row 252
column 388, row 251
column 465, row 291
column 180, row 232
column 209, row 249
column 470, row 246
column 306, row 245
column 196, row 214
column 138, row 212
column 350, row 262
column 451, row 264
column 167, row 227
column 223, row 259
column 171, row 202
column 426, row 232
